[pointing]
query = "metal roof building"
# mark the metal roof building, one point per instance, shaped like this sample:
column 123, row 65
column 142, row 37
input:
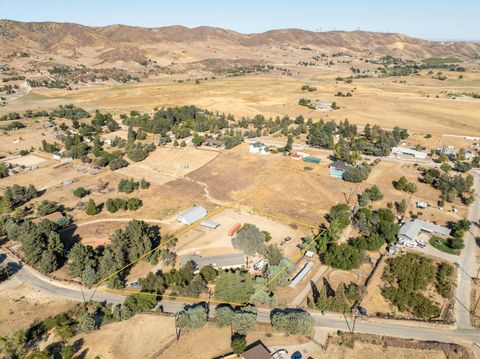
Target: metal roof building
column 300, row 275
column 224, row 261
column 410, row 230
column 192, row 215
column 209, row 224
column 409, row 152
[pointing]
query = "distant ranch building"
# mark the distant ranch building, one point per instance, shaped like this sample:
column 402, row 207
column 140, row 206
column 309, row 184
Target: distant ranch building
column 258, row 147
column 192, row 215
column 409, row 153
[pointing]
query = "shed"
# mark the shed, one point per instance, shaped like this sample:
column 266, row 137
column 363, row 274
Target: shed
column 233, row 229
column 210, row 224
column 312, row 159
column 302, row 274
column 192, row 215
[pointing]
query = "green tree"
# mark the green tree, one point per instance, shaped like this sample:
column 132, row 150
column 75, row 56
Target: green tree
column 223, row 316
column 249, row 239
column 298, row 322
column 91, row 209
column 192, row 318
column 234, row 287
column 80, row 192
column 46, row 207
column 244, row 319
column 86, row 323
column 239, row 343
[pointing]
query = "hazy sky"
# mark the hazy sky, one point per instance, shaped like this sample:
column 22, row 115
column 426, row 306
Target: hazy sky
column 430, row 19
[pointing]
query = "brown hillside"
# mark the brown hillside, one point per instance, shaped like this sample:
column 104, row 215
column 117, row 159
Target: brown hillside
column 97, row 45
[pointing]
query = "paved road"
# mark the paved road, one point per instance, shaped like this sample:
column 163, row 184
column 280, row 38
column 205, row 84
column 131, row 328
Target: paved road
column 407, row 330
column 468, row 263
column 333, row 322
column 27, row 275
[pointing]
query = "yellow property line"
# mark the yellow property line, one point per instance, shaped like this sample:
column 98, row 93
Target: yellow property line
column 176, row 235
column 284, row 268
column 171, row 296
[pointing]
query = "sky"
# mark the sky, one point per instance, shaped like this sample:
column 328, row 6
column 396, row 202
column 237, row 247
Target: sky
column 428, row 19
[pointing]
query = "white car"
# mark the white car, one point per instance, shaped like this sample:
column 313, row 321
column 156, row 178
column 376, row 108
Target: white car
column 279, row 354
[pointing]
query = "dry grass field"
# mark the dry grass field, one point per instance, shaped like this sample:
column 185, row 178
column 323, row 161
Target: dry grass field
column 382, row 101
column 168, row 163
column 273, row 184
column 23, row 304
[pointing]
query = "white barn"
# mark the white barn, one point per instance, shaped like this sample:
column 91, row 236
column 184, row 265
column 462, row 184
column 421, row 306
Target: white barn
column 258, row 147
column 192, row 215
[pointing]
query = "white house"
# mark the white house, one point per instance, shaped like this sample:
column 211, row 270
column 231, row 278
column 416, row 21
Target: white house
column 258, row 147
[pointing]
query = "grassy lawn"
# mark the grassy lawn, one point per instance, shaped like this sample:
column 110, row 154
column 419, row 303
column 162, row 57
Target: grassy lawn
column 442, row 245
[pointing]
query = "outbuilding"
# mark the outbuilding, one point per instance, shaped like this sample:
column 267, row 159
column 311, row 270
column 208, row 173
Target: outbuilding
column 258, row 147
column 192, row 215
column 302, row 274
column 409, row 152
column 210, row 224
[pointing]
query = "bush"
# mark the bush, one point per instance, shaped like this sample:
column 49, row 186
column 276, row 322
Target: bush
column 80, row 192
column 47, row 207
column 357, row 174
column 91, row 209
column 343, row 256
column 298, row 322
column 127, row 185
column 192, row 318
column 403, row 185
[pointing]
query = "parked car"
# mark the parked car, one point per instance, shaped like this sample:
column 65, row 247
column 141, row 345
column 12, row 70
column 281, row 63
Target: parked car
column 279, row 354
column 134, row 284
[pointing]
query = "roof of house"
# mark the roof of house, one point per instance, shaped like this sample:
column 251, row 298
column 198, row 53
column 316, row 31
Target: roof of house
column 411, row 229
column 193, row 214
column 257, row 351
column 340, row 165
column 220, row 261
column 257, row 144
column 215, row 142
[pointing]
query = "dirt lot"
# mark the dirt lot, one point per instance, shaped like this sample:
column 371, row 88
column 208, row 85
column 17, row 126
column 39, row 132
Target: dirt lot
column 169, row 163
column 140, row 337
column 27, row 161
column 25, row 138
column 273, row 184
column 22, row 305
column 206, row 241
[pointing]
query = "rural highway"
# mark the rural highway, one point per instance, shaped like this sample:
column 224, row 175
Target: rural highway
column 47, row 285
column 334, row 322
column 468, row 263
